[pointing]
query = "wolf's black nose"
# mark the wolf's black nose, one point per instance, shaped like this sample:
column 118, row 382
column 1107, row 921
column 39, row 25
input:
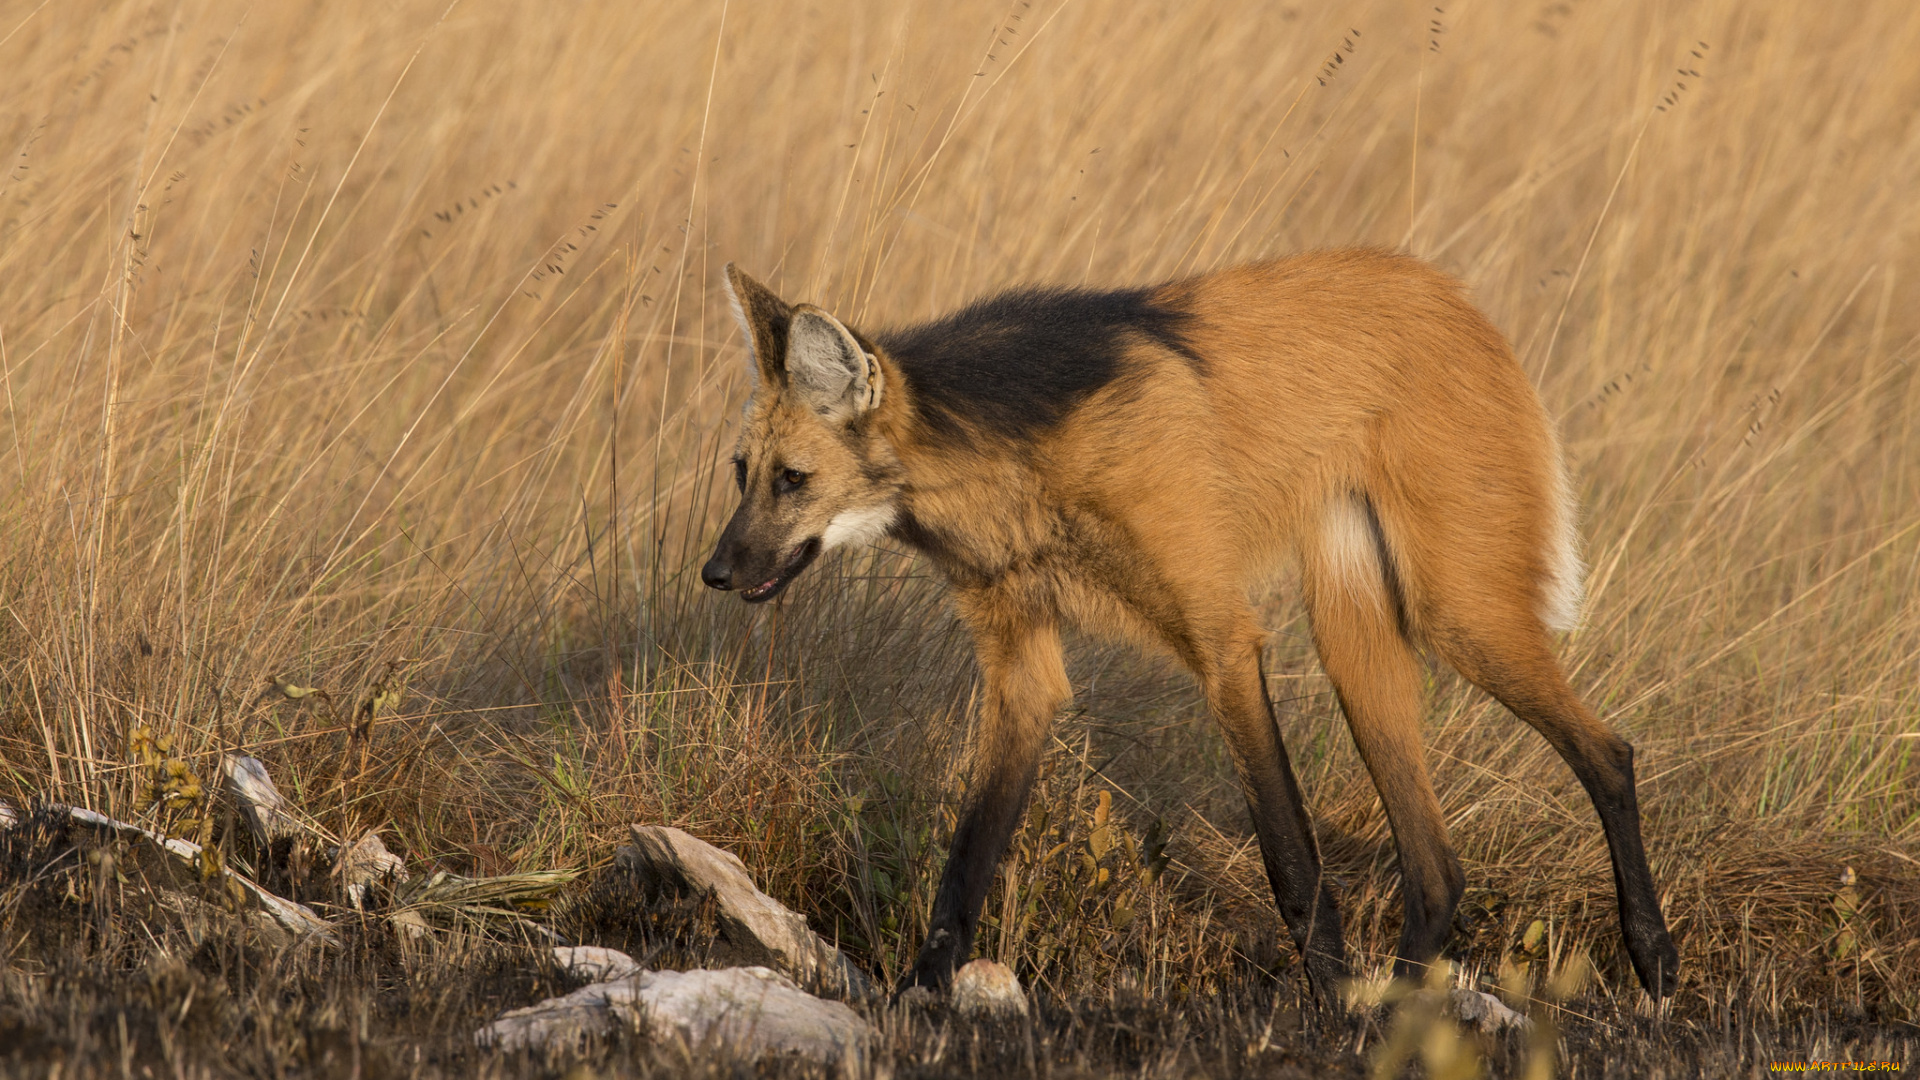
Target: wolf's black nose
column 717, row 575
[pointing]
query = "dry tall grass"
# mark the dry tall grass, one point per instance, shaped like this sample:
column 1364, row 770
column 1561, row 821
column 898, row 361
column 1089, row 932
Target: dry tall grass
column 335, row 334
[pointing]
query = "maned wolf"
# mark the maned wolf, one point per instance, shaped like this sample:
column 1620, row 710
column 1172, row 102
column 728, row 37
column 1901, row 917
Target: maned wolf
column 1134, row 463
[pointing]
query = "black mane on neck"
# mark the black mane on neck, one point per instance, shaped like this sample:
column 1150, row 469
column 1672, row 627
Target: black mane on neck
column 1015, row 364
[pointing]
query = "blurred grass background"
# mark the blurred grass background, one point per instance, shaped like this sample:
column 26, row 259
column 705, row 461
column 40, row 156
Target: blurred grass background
column 340, row 333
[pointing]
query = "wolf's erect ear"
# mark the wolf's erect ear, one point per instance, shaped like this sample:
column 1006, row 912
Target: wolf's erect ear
column 764, row 319
column 827, row 367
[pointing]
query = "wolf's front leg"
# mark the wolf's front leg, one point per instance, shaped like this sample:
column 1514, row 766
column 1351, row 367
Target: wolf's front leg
column 1026, row 684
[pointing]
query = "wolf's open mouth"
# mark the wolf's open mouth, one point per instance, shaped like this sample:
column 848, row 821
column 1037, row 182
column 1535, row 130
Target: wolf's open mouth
column 789, row 570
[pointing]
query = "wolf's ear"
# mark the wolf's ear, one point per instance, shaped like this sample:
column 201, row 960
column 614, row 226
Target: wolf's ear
column 764, row 319
column 827, row 367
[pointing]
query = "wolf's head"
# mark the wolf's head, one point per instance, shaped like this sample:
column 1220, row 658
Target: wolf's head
column 813, row 473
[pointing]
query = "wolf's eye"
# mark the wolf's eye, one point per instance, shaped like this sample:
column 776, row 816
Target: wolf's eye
column 791, row 478
column 740, row 474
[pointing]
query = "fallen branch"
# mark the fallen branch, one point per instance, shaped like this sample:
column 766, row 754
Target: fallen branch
column 758, row 928
column 297, row 919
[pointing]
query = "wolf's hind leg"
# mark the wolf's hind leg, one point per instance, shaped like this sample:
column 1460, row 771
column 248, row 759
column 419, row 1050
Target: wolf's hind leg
column 1509, row 655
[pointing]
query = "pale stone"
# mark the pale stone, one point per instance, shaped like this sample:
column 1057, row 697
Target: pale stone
column 9, row 817
column 737, row 1012
column 261, row 804
column 985, row 990
column 559, row 1022
column 1485, row 1012
column 595, row 964
column 750, row 1012
column 366, row 862
column 410, row 925
column 757, row 928
column 917, row 997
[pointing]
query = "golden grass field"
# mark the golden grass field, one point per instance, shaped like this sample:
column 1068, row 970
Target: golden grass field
column 335, row 334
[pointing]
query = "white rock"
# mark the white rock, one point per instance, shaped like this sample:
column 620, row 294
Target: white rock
column 595, row 964
column 758, row 928
column 750, row 1011
column 985, row 990
column 265, row 809
column 559, row 1022
column 1485, row 1012
column 366, row 862
column 9, row 817
column 738, row 1012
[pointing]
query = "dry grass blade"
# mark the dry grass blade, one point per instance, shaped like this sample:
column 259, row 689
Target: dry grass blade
column 451, row 900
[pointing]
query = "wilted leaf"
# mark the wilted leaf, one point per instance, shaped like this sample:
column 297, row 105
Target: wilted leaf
column 1536, row 933
column 1100, row 841
column 291, row 692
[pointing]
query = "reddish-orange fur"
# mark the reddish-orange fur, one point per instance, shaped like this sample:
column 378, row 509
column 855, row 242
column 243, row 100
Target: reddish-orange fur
column 1350, row 410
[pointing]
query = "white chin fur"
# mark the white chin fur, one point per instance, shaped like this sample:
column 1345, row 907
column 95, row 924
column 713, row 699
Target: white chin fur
column 862, row 526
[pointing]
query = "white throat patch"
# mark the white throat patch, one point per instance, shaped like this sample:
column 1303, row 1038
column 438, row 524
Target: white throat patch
column 862, row 526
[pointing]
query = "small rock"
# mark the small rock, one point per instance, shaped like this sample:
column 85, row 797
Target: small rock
column 917, row 997
column 758, row 928
column 595, row 964
column 1484, row 1011
column 985, row 990
column 9, row 817
column 743, row 1012
column 410, row 925
column 264, row 808
column 366, row 862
